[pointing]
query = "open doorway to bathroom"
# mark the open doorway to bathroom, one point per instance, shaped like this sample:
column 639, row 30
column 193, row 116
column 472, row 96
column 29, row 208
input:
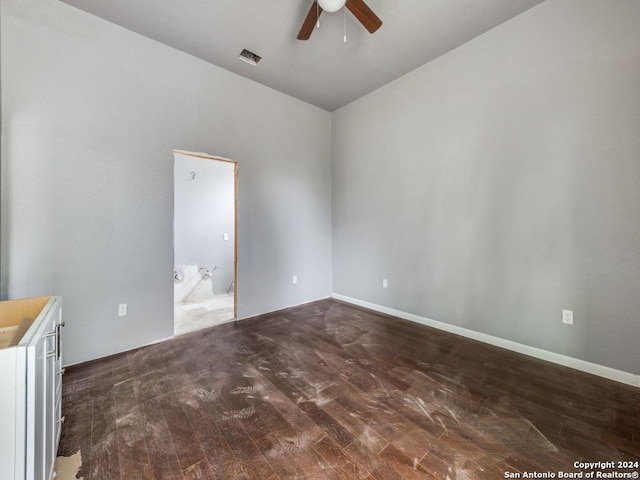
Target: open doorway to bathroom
column 204, row 241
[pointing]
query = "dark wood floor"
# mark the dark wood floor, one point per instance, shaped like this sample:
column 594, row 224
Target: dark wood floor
column 330, row 391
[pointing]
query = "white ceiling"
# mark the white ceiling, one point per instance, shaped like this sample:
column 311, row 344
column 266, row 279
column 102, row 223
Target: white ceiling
column 323, row 70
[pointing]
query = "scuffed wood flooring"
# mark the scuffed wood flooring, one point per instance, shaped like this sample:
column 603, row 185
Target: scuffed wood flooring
column 331, row 391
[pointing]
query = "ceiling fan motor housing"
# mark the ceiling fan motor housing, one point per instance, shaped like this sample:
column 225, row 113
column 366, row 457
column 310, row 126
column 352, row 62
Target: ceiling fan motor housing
column 331, row 5
column 358, row 8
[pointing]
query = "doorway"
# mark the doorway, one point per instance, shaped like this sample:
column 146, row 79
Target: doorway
column 205, row 242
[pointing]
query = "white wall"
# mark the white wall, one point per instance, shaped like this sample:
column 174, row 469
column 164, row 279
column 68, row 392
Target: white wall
column 204, row 209
column 90, row 116
column 500, row 183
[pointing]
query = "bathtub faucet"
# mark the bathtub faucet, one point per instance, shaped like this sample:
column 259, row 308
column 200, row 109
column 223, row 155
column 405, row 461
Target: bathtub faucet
column 206, row 273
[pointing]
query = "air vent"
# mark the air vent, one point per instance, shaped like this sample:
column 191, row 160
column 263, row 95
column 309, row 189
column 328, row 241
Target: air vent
column 249, row 57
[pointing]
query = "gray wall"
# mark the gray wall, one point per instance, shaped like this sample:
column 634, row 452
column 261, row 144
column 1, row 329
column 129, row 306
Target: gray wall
column 500, row 184
column 203, row 212
column 492, row 187
column 90, row 115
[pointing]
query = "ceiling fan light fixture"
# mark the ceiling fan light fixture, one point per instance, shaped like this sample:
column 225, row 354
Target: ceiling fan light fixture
column 331, row 5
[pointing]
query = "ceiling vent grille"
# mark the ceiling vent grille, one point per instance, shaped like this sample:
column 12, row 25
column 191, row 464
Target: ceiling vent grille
column 249, row 57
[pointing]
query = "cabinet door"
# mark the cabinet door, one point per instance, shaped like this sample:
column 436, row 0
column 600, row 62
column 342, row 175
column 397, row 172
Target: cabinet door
column 59, row 371
column 41, row 403
column 36, row 415
column 53, row 390
column 49, row 392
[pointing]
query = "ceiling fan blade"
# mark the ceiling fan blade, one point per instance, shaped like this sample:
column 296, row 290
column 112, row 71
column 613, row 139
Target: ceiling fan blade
column 364, row 14
column 310, row 22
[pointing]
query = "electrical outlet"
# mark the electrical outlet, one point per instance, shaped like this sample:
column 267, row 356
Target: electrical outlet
column 294, row 279
column 122, row 310
column 385, row 284
column 567, row 317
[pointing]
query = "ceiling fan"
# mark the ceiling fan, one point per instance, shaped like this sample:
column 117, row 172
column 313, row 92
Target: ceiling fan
column 358, row 8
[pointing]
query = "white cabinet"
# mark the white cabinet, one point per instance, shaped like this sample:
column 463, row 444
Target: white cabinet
column 30, row 387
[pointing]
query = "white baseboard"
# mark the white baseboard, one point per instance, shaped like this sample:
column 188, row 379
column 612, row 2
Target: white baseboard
column 282, row 308
column 160, row 340
column 118, row 352
column 588, row 367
